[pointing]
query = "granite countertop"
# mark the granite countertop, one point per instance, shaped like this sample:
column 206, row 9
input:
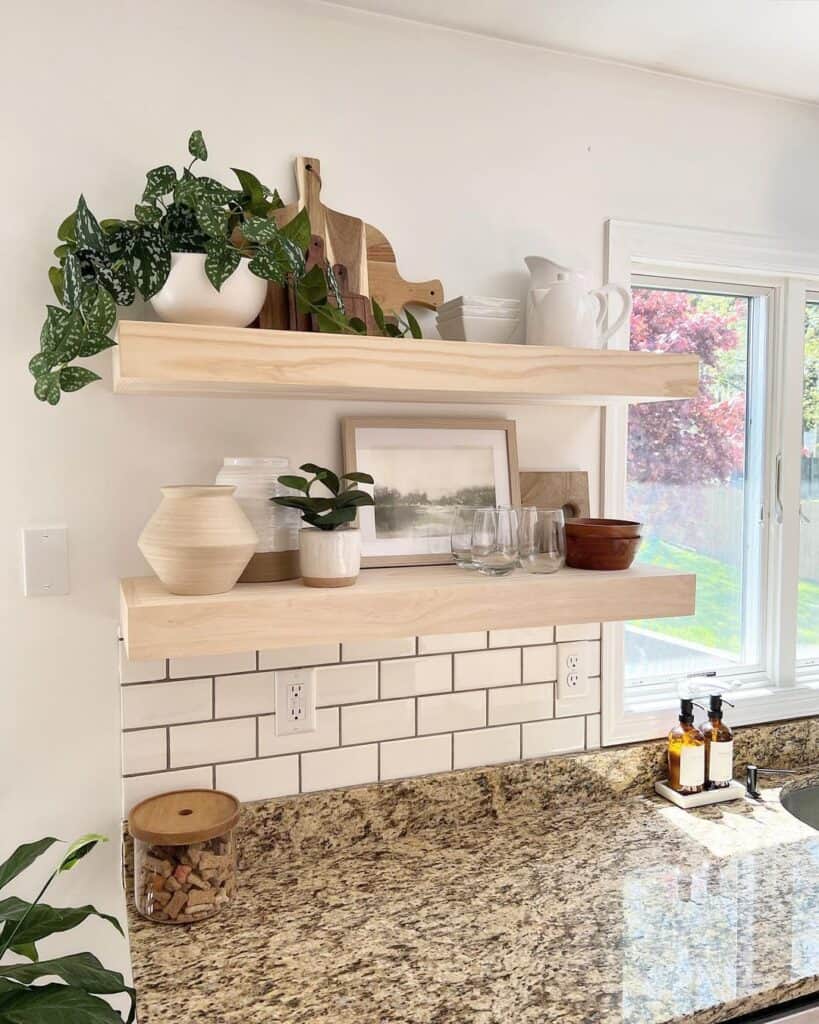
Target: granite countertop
column 524, row 894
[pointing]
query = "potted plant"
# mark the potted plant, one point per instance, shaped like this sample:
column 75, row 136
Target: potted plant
column 198, row 251
column 28, row 993
column 329, row 549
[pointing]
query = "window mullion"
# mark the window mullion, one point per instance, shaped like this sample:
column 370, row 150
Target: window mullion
column 785, row 483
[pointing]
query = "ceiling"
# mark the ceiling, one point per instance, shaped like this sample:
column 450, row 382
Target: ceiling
column 770, row 46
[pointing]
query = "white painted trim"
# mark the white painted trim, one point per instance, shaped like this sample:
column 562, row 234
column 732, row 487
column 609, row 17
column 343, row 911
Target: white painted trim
column 635, row 248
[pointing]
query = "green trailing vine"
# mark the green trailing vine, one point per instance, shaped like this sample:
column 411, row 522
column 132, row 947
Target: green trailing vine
column 103, row 264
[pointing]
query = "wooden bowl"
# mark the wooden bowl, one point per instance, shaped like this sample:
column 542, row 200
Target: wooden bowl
column 601, row 544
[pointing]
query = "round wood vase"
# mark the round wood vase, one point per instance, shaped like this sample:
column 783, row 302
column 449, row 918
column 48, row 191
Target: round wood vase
column 199, row 540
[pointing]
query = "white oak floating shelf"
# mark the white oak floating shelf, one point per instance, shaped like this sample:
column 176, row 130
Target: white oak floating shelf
column 392, row 602
column 181, row 359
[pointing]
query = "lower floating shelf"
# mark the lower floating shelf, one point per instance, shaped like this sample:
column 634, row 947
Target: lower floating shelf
column 391, row 602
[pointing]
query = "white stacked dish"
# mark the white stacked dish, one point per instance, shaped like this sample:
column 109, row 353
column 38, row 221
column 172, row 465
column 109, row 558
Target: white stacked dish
column 480, row 318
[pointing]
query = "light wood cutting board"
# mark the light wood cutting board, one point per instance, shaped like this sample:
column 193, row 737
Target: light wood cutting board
column 547, row 489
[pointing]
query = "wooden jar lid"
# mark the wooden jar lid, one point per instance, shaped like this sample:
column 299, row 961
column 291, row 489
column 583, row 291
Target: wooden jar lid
column 184, row 816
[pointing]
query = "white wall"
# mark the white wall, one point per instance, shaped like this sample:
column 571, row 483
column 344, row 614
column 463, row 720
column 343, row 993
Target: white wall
column 470, row 154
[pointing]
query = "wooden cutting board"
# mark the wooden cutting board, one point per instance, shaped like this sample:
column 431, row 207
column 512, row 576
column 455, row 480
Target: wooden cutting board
column 363, row 249
column 344, row 237
column 387, row 287
column 569, row 491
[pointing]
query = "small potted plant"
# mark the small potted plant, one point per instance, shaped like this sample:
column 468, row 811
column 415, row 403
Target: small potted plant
column 329, row 549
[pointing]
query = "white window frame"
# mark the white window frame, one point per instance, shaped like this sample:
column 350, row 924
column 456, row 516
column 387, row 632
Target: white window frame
column 777, row 691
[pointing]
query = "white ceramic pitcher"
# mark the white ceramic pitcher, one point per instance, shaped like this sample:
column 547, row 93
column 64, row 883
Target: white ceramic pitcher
column 561, row 311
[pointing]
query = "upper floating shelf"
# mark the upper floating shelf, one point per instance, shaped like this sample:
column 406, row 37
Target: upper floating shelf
column 161, row 358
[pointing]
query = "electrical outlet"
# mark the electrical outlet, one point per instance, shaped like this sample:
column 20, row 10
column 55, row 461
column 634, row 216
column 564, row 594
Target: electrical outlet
column 572, row 670
column 295, row 701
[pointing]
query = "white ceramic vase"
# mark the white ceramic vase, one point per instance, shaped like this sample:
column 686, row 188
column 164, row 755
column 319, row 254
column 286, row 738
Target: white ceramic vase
column 199, row 540
column 329, row 558
column 188, row 297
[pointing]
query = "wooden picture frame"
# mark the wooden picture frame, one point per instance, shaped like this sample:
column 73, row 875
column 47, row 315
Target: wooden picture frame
column 499, row 455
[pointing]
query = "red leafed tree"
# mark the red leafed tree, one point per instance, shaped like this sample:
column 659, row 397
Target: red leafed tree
column 696, row 441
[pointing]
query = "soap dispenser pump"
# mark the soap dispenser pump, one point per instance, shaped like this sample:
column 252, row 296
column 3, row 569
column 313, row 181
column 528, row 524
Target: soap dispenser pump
column 686, row 753
column 719, row 745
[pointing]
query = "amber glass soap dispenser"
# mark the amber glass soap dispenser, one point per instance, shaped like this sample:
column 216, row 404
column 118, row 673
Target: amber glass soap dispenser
column 686, row 753
column 719, row 745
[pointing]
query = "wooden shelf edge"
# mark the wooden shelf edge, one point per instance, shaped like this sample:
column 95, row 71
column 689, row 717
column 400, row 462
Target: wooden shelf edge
column 388, row 603
column 160, row 358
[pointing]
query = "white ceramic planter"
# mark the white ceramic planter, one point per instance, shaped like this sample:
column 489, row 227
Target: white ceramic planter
column 329, row 558
column 188, row 297
column 198, row 541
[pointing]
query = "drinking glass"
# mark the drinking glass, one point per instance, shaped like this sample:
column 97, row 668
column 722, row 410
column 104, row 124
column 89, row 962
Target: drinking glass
column 495, row 541
column 542, row 539
column 461, row 535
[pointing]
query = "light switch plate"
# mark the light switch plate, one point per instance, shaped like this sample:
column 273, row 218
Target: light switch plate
column 45, row 561
column 573, row 670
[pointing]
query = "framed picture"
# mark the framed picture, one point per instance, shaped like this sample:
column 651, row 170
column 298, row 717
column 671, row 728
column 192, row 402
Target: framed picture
column 423, row 469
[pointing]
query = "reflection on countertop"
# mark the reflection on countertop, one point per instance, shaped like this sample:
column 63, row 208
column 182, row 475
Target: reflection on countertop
column 523, row 894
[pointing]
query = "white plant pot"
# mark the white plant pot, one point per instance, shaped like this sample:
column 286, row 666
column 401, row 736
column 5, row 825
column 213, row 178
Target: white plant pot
column 329, row 558
column 188, row 297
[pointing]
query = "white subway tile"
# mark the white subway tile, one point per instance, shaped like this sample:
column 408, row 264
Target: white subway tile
column 260, row 780
column 451, row 711
column 583, row 631
column 521, row 637
column 213, row 741
column 299, row 657
column 382, row 720
column 411, row 677
column 402, row 759
column 539, row 664
column 440, row 643
column 347, row 766
column 252, row 694
column 589, row 704
column 487, row 668
column 368, row 650
column 213, row 664
column 167, row 703
column 486, row 746
column 557, row 736
column 346, row 684
column 592, row 732
column 140, row 787
column 521, row 703
column 139, row 671
column 144, row 751
column 324, row 735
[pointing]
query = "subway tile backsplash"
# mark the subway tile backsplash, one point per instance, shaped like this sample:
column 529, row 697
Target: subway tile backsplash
column 385, row 710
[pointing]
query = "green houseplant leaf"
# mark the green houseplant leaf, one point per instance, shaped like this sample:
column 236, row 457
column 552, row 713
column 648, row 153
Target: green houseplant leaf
column 325, row 513
column 414, row 326
column 23, row 857
column 159, row 182
column 220, row 262
column 87, row 230
column 57, row 279
column 254, row 193
column 82, row 970
column 72, row 281
column 74, row 378
column 153, row 260
column 196, row 146
column 25, row 924
column 57, row 1004
column 99, row 310
column 298, row 230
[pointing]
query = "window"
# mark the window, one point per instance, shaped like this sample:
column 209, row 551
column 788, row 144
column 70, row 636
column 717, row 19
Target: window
column 694, row 476
column 726, row 483
column 807, row 622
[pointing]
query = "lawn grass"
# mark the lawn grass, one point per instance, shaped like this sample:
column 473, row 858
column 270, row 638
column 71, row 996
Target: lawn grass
column 717, row 619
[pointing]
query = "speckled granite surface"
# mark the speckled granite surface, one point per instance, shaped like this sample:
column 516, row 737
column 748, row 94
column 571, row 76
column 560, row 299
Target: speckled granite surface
column 555, row 891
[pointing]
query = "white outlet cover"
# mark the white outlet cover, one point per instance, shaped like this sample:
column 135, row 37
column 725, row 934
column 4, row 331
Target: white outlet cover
column 295, row 701
column 45, row 561
column 572, row 670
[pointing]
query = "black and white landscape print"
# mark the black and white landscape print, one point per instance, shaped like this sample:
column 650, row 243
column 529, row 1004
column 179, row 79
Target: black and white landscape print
column 417, row 489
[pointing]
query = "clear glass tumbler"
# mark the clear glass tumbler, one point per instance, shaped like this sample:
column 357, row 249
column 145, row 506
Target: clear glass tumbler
column 495, row 541
column 461, row 535
column 542, row 539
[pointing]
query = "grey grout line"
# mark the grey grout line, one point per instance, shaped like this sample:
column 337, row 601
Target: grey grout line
column 300, row 790
column 167, row 747
column 378, row 761
column 213, row 775
column 257, row 736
